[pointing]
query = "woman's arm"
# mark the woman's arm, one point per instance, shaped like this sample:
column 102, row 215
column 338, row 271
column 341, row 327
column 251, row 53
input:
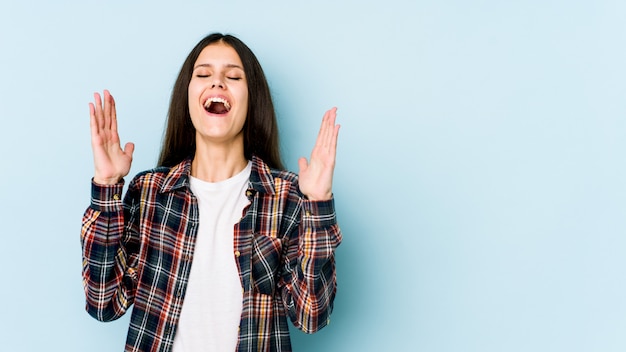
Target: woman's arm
column 108, row 234
column 110, row 245
column 308, row 279
column 309, row 272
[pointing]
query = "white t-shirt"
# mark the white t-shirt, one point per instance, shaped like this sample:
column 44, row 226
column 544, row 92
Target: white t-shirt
column 209, row 320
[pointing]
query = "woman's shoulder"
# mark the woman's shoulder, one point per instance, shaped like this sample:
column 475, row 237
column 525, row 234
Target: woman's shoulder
column 264, row 177
column 264, row 170
column 161, row 176
column 285, row 175
column 158, row 172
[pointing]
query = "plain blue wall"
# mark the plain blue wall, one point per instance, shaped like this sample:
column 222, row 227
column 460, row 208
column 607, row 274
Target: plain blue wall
column 480, row 180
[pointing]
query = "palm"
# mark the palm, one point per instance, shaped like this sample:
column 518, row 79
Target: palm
column 316, row 175
column 110, row 161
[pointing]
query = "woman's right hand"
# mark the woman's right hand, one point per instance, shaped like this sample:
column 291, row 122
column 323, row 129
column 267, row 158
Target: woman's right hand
column 110, row 161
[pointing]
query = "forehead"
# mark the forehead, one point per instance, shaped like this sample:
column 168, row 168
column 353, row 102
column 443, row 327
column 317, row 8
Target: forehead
column 218, row 54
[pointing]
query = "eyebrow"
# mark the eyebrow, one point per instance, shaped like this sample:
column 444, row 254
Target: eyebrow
column 227, row 66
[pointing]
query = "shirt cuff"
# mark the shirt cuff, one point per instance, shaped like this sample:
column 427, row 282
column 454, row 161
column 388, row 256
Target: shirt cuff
column 107, row 198
column 319, row 213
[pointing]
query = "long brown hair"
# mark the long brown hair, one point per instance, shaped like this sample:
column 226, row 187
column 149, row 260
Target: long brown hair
column 260, row 131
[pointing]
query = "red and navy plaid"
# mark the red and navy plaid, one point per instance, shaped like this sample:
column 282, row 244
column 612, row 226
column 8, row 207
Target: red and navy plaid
column 139, row 249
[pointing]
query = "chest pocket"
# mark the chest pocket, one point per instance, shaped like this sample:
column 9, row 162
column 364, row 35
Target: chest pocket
column 266, row 260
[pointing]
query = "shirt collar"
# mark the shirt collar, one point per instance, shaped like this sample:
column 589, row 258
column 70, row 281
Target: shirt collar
column 177, row 177
column 261, row 179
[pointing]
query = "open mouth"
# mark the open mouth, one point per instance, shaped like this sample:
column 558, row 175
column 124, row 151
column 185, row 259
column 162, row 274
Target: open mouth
column 217, row 105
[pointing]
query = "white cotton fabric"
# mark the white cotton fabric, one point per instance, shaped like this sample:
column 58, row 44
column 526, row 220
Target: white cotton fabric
column 211, row 311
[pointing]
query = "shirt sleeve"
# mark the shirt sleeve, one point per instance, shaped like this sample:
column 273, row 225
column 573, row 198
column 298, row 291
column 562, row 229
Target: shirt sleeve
column 309, row 272
column 110, row 245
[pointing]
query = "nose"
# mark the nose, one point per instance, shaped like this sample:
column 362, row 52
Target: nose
column 217, row 82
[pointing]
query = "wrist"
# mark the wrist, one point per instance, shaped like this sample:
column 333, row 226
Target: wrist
column 319, row 197
column 106, row 181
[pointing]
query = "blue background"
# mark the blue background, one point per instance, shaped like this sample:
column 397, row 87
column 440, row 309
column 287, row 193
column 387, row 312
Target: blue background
column 480, row 180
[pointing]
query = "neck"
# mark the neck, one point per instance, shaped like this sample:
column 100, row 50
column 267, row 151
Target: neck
column 215, row 163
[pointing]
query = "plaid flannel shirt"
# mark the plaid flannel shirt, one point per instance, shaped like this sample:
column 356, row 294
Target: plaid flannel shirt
column 139, row 251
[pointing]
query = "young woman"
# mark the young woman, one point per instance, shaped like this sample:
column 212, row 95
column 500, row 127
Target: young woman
column 217, row 245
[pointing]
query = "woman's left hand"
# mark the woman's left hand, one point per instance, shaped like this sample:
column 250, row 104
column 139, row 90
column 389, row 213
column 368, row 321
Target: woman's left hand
column 316, row 175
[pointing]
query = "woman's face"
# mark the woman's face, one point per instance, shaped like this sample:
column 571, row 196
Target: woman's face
column 218, row 95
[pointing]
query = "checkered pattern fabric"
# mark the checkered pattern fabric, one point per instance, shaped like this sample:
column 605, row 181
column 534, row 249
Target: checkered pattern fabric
column 138, row 250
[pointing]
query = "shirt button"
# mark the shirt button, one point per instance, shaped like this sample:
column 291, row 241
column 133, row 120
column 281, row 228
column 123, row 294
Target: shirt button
column 249, row 193
column 116, row 197
column 237, row 254
column 307, row 213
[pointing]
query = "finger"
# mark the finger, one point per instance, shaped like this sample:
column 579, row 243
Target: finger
column 334, row 129
column 107, row 110
column 93, row 124
column 129, row 148
column 328, row 127
column 333, row 142
column 113, row 115
column 98, row 110
column 322, row 136
column 92, row 119
column 302, row 164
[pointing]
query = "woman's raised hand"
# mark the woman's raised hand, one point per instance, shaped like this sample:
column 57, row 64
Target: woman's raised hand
column 316, row 175
column 110, row 161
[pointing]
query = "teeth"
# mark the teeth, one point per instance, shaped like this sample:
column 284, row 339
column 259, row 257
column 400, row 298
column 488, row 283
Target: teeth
column 217, row 100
